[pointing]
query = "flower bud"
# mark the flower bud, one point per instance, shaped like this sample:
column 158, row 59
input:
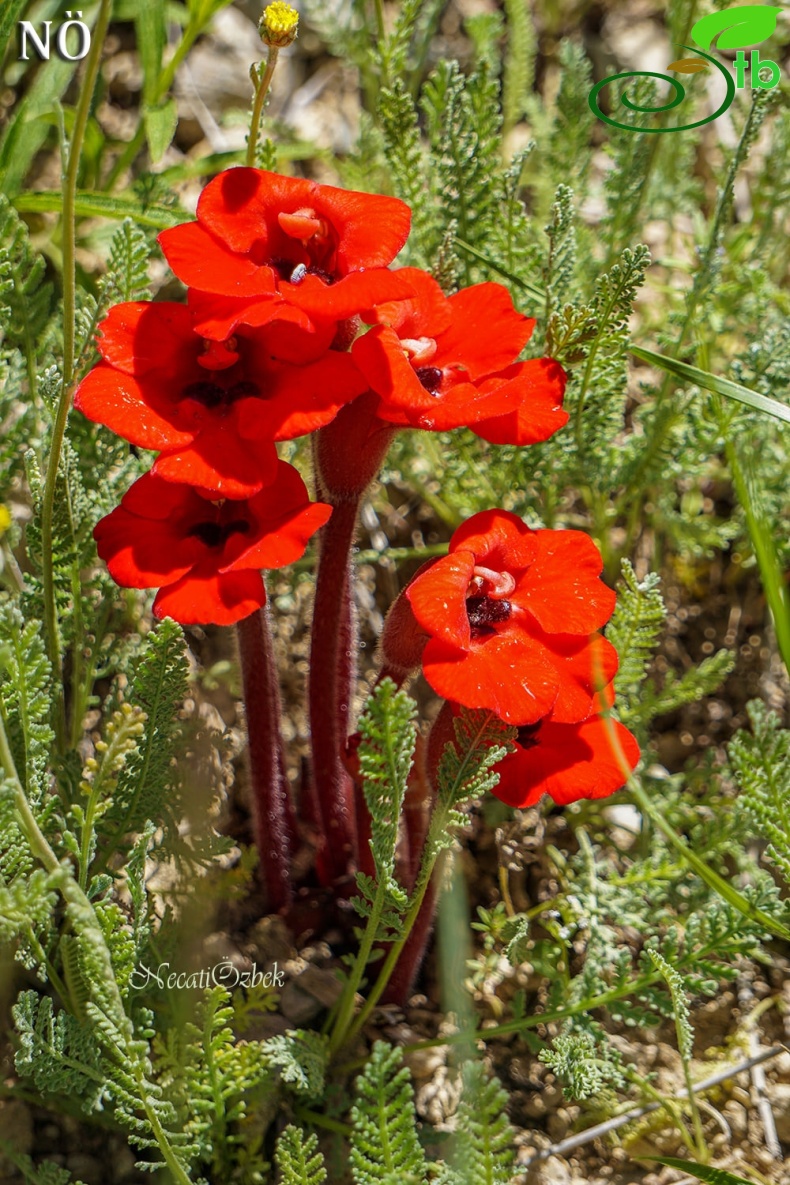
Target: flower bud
column 279, row 24
column 402, row 641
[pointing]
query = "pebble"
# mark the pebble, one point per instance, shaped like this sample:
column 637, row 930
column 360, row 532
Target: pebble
column 16, row 1125
column 553, row 1171
column 737, row 1116
column 780, row 1105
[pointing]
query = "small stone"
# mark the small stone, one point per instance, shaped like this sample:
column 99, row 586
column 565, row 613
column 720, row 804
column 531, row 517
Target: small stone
column 781, row 1066
column 779, row 1097
column 559, row 1125
column 553, row 1171
column 737, row 1117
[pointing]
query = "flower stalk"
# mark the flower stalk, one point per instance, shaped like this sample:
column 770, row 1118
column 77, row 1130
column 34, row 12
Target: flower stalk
column 273, row 815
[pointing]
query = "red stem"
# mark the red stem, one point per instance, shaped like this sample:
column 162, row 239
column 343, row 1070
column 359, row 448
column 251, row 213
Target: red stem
column 332, row 674
column 273, row 815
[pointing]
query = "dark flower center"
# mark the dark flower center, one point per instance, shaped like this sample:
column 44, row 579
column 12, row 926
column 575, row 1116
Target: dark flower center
column 212, row 395
column 527, row 736
column 484, row 613
column 430, row 377
column 294, row 273
column 215, row 534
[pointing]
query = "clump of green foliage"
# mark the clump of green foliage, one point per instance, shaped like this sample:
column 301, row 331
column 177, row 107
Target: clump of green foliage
column 97, row 754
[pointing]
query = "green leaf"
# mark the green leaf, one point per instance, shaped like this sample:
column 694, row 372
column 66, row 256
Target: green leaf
column 151, row 40
column 160, row 124
column 12, row 10
column 711, row 382
column 104, row 205
column 702, row 1172
column 746, row 24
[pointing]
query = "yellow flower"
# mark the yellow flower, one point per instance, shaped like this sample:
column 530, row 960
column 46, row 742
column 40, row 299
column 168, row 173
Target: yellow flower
column 5, row 519
column 279, row 24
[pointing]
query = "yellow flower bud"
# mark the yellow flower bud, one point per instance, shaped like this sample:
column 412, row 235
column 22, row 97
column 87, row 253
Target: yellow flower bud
column 5, row 519
column 279, row 23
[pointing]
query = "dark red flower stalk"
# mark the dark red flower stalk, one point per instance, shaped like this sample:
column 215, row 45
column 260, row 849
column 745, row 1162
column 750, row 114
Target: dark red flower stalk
column 510, row 615
column 442, row 363
column 274, row 822
column 213, row 409
column 204, row 556
column 264, row 239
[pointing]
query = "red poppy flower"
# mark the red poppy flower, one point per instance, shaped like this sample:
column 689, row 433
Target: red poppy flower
column 267, row 238
column 206, row 557
column 510, row 615
column 591, row 759
column 442, row 363
column 212, row 409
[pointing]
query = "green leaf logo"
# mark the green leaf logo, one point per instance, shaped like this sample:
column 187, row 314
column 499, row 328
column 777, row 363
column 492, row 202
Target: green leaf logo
column 748, row 24
column 688, row 65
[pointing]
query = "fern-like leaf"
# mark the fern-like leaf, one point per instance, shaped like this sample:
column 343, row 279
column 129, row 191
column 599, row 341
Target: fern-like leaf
column 384, row 1144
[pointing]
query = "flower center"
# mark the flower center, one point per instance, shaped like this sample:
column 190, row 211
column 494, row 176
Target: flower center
column 527, row 735
column 303, row 225
column 211, row 395
column 430, row 377
column 488, row 582
column 215, row 534
column 484, row 613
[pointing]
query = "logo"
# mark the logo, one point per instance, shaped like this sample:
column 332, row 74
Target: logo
column 734, row 28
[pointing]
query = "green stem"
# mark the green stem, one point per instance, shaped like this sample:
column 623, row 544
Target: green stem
column 261, row 84
column 81, row 114
column 420, row 889
column 346, row 1007
column 711, row 878
column 762, row 542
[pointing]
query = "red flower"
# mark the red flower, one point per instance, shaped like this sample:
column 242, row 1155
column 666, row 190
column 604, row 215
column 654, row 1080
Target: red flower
column 206, row 557
column 510, row 615
column 212, row 409
column 442, row 363
column 268, row 238
column 591, row 759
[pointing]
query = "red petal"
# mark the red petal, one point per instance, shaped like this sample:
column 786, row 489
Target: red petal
column 216, row 317
column 561, row 589
column 486, row 332
column 300, row 399
column 438, row 599
column 570, row 762
column 353, row 294
column 143, row 553
column 518, row 683
column 284, row 520
column 531, row 408
column 427, row 314
column 110, row 397
column 242, row 206
column 499, row 540
column 219, row 461
column 201, row 261
column 584, row 666
column 211, row 599
column 380, row 357
column 139, row 336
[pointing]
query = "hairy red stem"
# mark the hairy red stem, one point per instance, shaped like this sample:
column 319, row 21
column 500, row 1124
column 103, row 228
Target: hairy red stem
column 332, row 670
column 273, row 815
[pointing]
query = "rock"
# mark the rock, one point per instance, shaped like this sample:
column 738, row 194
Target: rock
column 779, row 1097
column 313, row 991
column 737, row 1117
column 553, row 1171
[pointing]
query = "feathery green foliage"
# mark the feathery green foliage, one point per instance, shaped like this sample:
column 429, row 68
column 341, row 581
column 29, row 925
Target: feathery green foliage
column 298, row 1158
column 760, row 762
column 483, row 1147
column 384, row 1145
column 301, row 1057
column 385, row 757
